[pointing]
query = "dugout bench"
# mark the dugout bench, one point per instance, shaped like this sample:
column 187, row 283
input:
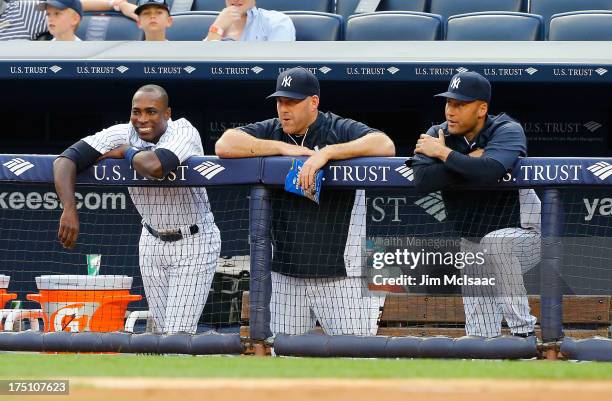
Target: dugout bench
column 427, row 316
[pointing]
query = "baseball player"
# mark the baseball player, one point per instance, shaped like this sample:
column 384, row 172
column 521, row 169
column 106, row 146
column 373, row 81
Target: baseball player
column 316, row 261
column 25, row 19
column 180, row 243
column 472, row 147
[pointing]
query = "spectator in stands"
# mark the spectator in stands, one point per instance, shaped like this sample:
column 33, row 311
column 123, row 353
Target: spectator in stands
column 153, row 18
column 63, row 18
column 316, row 263
column 242, row 20
column 473, row 147
column 22, row 19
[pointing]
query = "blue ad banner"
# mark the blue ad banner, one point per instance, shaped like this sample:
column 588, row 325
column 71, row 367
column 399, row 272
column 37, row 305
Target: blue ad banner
column 197, row 171
column 379, row 172
column 265, row 70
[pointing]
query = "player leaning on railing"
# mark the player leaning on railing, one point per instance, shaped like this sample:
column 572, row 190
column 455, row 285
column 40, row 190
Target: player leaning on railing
column 316, row 268
column 473, row 147
column 179, row 243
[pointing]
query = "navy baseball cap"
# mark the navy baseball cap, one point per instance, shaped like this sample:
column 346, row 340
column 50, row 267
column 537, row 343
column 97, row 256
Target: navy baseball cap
column 296, row 83
column 62, row 5
column 142, row 4
column 468, row 86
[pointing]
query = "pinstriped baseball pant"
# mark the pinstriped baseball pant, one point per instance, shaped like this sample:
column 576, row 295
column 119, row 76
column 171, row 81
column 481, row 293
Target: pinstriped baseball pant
column 177, row 277
column 510, row 252
column 341, row 305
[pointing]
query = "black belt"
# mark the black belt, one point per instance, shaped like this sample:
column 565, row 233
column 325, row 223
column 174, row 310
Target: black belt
column 171, row 235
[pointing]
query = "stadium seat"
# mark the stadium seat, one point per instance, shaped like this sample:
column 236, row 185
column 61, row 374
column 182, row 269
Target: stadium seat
column 208, row 5
column 497, row 26
column 108, row 27
column 312, row 26
column 179, row 6
column 446, row 8
column 547, row 8
column 324, row 6
column 191, row 26
column 402, row 5
column 347, row 8
column 395, row 25
column 581, row 25
column 279, row 5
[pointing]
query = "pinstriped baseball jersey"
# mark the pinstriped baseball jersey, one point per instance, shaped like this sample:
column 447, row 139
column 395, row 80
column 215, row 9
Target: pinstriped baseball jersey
column 21, row 20
column 160, row 207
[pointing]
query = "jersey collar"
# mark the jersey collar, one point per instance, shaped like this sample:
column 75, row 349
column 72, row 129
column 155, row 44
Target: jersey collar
column 484, row 134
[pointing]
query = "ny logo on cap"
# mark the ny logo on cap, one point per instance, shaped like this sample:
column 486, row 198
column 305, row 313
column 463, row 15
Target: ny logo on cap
column 286, row 81
column 455, row 83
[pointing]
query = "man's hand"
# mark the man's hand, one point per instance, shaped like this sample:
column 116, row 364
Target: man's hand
column 117, row 153
column 68, row 228
column 476, row 153
column 127, row 9
column 433, row 147
column 314, row 163
column 227, row 17
column 124, row 6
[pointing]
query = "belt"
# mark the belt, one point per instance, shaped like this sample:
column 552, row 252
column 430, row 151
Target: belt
column 172, row 235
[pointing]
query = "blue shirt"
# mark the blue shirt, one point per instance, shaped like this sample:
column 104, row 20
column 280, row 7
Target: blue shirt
column 267, row 26
column 328, row 129
column 501, row 137
column 476, row 213
column 309, row 239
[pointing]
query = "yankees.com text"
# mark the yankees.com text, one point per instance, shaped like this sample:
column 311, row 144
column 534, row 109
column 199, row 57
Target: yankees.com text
column 50, row 200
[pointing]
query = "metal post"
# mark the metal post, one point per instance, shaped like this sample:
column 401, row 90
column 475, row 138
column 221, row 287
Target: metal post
column 260, row 291
column 551, row 314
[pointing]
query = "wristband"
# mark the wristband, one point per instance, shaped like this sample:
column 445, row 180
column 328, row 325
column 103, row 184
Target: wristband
column 216, row 29
column 129, row 155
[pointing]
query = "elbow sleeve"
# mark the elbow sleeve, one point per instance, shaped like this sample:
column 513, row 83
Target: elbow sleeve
column 82, row 154
column 169, row 161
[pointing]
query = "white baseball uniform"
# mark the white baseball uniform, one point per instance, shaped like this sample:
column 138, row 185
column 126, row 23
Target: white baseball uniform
column 510, row 252
column 177, row 275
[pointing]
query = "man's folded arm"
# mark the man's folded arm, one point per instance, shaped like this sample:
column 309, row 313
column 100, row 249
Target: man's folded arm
column 476, row 170
column 431, row 175
column 237, row 143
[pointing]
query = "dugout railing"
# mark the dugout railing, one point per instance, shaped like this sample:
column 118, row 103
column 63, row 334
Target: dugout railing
column 573, row 273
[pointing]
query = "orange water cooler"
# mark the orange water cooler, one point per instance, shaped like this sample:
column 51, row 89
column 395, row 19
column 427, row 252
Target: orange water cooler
column 78, row 303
